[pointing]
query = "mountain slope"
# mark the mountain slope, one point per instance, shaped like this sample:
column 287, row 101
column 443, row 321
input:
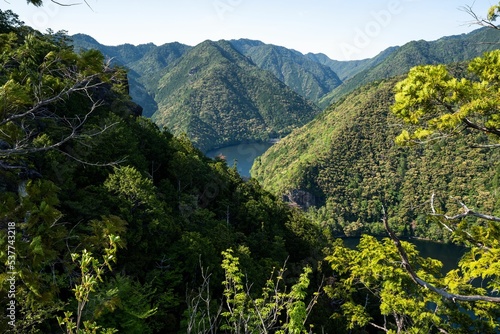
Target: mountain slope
column 349, row 68
column 307, row 77
column 442, row 51
column 146, row 64
column 346, row 158
column 219, row 97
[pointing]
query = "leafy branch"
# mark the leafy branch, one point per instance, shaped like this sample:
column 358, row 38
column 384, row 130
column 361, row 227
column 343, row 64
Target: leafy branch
column 91, row 272
column 417, row 280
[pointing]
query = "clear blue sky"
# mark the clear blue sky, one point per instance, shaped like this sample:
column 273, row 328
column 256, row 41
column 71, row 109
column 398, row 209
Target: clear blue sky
column 342, row 29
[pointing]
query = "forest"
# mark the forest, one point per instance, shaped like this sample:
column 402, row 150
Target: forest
column 113, row 224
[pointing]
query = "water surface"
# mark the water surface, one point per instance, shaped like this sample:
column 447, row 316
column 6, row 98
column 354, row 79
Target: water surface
column 241, row 155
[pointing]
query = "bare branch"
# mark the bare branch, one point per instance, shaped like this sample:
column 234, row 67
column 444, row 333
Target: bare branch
column 81, row 85
column 484, row 129
column 467, row 212
column 21, row 148
column 378, row 327
column 66, row 4
column 477, row 20
column 417, row 280
column 485, row 146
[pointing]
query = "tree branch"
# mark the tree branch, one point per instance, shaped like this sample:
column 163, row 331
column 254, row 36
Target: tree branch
column 476, row 19
column 417, row 280
column 467, row 212
column 471, row 125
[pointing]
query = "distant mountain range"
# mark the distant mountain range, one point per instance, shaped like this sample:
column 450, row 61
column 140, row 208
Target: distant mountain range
column 227, row 92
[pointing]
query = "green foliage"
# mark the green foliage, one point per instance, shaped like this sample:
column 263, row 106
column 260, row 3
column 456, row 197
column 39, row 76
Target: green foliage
column 91, row 274
column 274, row 310
column 493, row 12
column 352, row 182
column 117, row 174
column 437, row 103
column 373, row 288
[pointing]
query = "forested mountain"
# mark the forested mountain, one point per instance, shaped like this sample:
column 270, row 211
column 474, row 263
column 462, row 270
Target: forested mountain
column 309, row 78
column 209, row 100
column 346, row 69
column 211, row 92
column 399, row 61
column 146, row 64
column 348, row 160
column 110, row 224
column 218, row 97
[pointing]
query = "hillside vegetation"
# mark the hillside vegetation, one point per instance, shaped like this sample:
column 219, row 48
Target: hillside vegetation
column 348, row 160
column 218, row 97
column 112, row 222
column 305, row 76
column 229, row 92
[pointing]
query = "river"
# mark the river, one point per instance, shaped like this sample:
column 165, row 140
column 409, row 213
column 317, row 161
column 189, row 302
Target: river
column 243, row 155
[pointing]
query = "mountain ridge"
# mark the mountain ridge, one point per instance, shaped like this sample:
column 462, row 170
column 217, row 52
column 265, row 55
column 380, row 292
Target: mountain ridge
column 313, row 77
column 445, row 50
column 346, row 158
column 226, row 99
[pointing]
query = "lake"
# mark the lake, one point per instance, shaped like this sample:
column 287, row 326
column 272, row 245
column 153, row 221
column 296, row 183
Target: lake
column 243, row 155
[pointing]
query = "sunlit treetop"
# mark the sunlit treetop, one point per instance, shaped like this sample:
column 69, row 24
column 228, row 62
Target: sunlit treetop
column 436, row 103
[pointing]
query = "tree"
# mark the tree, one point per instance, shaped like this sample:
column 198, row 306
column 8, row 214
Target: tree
column 436, row 102
column 9, row 21
column 242, row 311
column 51, row 98
column 491, row 16
column 41, row 80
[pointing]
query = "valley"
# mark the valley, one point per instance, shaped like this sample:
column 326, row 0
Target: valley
column 235, row 186
column 338, row 132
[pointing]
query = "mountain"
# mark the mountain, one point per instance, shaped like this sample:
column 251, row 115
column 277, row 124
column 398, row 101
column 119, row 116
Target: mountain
column 215, row 94
column 307, row 77
column 218, row 97
column 227, row 92
column 99, row 194
column 348, row 68
column 146, row 64
column 399, row 61
column 347, row 161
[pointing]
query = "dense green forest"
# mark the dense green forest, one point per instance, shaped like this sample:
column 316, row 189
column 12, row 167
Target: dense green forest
column 81, row 172
column 216, row 95
column 218, row 98
column 194, row 90
column 115, row 225
column 348, row 160
column 308, row 77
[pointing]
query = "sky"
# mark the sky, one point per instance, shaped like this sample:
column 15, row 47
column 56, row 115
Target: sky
column 341, row 29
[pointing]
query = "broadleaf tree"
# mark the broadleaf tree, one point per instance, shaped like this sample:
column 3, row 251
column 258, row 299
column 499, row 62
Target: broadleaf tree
column 386, row 284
